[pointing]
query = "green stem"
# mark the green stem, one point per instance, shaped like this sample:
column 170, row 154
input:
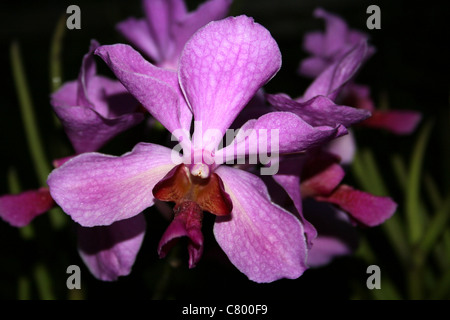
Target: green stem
column 55, row 54
column 172, row 262
column 43, row 282
column 28, row 117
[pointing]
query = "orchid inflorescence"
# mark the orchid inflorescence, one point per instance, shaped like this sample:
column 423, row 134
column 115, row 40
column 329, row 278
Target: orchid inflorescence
column 201, row 75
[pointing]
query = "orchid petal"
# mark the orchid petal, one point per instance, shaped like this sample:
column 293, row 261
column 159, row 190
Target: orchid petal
column 19, row 209
column 94, row 109
column 277, row 133
column 187, row 222
column 344, row 147
column 87, row 73
column 110, row 251
column 159, row 18
column 206, row 12
column 401, row 122
column 288, row 177
column 336, row 31
column 314, row 42
column 319, row 110
column 96, row 189
column 368, row 209
column 222, row 67
column 321, row 174
column 261, row 239
column 312, row 66
column 87, row 129
column 155, row 88
column 137, row 32
column 331, row 80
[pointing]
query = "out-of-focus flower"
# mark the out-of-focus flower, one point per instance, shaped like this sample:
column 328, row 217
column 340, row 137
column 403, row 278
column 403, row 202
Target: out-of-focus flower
column 315, row 179
column 317, row 103
column 221, row 68
column 330, row 46
column 167, row 25
column 318, row 174
column 400, row 122
column 93, row 109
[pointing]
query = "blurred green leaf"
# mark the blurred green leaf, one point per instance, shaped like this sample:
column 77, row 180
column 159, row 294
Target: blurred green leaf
column 43, row 282
column 435, row 228
column 414, row 210
column 23, row 288
column 369, row 177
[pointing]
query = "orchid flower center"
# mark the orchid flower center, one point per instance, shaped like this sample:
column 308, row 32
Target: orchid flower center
column 196, row 184
column 194, row 189
column 202, row 162
column 200, row 170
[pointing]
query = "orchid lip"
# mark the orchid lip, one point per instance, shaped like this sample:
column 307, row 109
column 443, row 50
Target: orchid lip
column 180, row 185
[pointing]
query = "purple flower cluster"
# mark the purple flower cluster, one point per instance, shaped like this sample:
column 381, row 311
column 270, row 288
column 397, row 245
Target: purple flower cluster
column 206, row 74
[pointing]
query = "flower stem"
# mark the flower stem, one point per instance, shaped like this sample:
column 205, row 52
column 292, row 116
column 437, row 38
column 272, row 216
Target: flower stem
column 34, row 140
column 55, row 54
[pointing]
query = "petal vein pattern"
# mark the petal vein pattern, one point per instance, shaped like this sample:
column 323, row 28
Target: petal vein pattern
column 223, row 66
column 96, row 189
column 264, row 241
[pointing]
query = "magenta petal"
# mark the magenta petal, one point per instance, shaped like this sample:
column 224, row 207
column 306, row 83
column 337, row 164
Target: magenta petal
column 160, row 16
column 187, row 222
column 96, row 189
column 59, row 162
column 358, row 96
column 401, row 122
column 168, row 26
column 206, row 12
column 288, row 177
column 319, row 110
column 312, row 66
column 336, row 32
column 344, row 147
column 137, row 32
column 222, row 67
column 110, row 251
column 94, row 109
column 313, row 42
column 19, row 209
column 331, row 45
column 331, row 80
column 364, row 207
column 321, row 174
column 261, row 239
column 155, row 88
column 293, row 135
column 88, row 130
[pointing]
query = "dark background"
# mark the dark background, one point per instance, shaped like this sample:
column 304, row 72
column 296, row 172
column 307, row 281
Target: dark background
column 410, row 69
